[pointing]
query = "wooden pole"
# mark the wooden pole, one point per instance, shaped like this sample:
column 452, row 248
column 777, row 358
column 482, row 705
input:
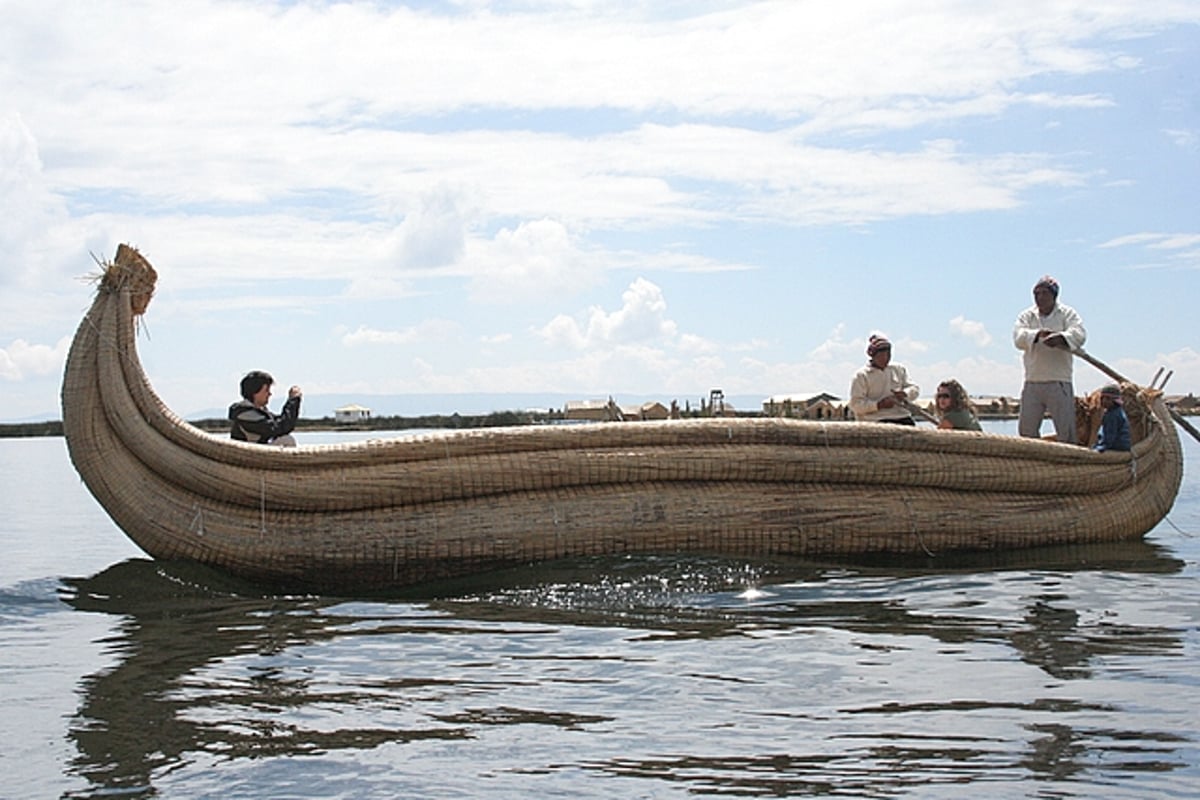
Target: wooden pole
column 1100, row 365
column 916, row 409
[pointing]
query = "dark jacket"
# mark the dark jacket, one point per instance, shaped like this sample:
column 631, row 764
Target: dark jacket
column 1114, row 431
column 258, row 425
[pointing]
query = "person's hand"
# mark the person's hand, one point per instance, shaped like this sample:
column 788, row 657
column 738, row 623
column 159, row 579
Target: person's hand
column 294, row 392
column 1050, row 338
column 887, row 402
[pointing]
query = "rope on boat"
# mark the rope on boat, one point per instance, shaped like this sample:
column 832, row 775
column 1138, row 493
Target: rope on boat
column 1178, row 530
column 197, row 521
column 912, row 524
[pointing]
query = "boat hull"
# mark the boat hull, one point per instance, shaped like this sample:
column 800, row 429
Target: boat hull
column 378, row 515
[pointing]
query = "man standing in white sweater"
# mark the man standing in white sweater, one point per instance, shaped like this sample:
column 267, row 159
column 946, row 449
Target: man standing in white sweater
column 1048, row 332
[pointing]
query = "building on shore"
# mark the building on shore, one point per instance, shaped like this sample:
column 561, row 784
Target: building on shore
column 805, row 405
column 348, row 414
column 592, row 411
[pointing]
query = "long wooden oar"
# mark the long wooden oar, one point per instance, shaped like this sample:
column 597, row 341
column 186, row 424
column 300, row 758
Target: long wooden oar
column 916, row 409
column 1116, row 376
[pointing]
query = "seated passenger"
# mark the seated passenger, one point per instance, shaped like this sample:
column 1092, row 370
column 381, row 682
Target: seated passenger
column 881, row 391
column 1114, row 427
column 954, row 408
column 253, row 422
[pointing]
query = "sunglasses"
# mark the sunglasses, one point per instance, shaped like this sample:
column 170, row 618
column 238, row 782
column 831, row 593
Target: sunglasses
column 940, row 395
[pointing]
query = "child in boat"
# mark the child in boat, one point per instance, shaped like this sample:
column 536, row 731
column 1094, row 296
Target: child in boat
column 1114, row 427
column 954, row 408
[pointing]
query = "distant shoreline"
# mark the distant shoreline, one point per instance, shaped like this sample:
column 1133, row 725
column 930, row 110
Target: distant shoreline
column 26, row 430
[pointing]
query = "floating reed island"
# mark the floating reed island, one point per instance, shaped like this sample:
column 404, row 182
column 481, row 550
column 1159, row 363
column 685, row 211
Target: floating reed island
column 374, row 516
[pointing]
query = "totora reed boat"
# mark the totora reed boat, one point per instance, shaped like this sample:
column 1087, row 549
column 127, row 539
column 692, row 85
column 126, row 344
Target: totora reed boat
column 377, row 515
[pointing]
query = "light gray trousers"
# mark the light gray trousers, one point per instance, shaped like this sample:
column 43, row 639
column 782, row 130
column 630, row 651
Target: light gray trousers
column 1056, row 397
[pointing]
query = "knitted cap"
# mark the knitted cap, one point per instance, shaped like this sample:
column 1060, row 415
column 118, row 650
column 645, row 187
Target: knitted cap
column 1047, row 282
column 877, row 343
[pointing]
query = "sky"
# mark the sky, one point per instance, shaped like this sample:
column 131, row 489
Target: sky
column 642, row 200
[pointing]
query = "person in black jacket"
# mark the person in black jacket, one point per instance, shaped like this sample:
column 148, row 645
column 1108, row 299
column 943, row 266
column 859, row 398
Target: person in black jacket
column 253, row 422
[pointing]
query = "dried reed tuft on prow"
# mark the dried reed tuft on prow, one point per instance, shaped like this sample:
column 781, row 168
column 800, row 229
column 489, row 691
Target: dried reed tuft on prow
column 130, row 272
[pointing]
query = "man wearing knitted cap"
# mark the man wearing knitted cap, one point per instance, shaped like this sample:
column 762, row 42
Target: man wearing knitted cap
column 881, row 391
column 1048, row 332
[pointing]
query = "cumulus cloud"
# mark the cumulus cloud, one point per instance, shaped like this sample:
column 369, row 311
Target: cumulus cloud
column 642, row 318
column 28, row 207
column 970, row 329
column 434, row 233
column 529, row 151
column 22, row 360
column 835, row 346
column 534, row 260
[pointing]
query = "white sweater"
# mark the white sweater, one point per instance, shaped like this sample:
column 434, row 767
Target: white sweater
column 871, row 384
column 1042, row 362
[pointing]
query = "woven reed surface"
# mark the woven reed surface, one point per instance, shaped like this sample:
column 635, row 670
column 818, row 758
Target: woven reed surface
column 383, row 513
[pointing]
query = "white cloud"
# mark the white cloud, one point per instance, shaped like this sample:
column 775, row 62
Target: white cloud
column 693, row 344
column 1131, row 239
column 1182, row 250
column 536, row 259
column 436, row 331
column 298, row 119
column 28, row 207
column 276, row 62
column 642, row 318
column 1178, row 241
column 434, row 233
column 970, row 329
column 22, row 360
column 835, row 346
column 1156, row 241
column 526, row 153
column 1186, row 139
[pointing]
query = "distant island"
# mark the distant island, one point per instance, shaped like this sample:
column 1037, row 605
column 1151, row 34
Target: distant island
column 815, row 407
column 495, row 419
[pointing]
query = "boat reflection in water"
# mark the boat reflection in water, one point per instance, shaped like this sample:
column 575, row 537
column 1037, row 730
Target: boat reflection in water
column 686, row 676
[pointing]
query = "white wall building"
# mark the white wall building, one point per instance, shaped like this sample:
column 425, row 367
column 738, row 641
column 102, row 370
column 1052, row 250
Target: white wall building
column 351, row 413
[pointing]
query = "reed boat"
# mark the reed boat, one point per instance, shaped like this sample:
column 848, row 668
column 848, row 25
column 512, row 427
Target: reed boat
column 382, row 514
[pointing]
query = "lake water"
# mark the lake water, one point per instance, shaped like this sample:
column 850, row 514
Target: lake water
column 1062, row 674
